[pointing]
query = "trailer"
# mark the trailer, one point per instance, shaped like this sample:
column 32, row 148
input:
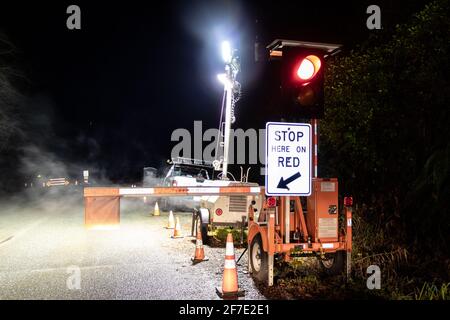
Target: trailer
column 221, row 211
column 287, row 228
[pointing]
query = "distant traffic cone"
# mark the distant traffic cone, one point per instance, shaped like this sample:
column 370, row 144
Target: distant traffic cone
column 230, row 288
column 177, row 230
column 171, row 223
column 156, row 210
column 199, row 255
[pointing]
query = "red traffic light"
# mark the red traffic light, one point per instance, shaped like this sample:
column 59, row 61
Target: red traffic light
column 348, row 201
column 308, row 67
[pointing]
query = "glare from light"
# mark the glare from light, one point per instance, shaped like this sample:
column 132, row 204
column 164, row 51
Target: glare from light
column 308, row 67
column 226, row 52
column 224, row 80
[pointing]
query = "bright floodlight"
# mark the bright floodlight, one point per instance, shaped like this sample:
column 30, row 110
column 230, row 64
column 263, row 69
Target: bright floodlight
column 226, row 52
column 224, row 79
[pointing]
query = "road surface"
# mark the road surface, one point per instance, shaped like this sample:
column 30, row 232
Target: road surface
column 45, row 250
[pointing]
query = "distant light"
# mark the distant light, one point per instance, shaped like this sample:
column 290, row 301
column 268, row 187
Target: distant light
column 224, row 80
column 226, row 52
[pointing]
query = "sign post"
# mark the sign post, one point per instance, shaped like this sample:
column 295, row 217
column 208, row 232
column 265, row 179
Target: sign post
column 288, row 159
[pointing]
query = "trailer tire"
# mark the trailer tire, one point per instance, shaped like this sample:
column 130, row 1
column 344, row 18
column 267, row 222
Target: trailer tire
column 334, row 263
column 203, row 229
column 258, row 259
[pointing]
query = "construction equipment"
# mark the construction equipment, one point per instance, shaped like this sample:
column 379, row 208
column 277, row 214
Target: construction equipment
column 287, row 229
column 225, row 211
column 279, row 227
column 290, row 227
column 284, row 228
column 219, row 211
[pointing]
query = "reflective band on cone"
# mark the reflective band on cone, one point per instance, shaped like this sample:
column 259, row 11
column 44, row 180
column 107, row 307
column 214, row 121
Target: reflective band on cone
column 177, row 230
column 199, row 255
column 171, row 223
column 230, row 288
column 229, row 250
column 230, row 264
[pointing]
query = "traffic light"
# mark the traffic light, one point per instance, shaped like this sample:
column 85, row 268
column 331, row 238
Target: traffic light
column 302, row 83
column 293, row 86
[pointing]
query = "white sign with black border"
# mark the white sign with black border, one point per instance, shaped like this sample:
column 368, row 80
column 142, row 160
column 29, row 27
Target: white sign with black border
column 288, row 159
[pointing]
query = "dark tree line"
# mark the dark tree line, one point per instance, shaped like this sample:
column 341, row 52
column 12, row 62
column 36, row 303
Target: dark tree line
column 11, row 118
column 386, row 132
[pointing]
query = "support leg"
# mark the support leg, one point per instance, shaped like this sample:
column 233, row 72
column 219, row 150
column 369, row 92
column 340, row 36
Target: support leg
column 270, row 273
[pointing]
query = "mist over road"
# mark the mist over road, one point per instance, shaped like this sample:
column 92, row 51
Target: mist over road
column 42, row 242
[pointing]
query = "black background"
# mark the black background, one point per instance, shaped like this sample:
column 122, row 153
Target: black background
column 112, row 93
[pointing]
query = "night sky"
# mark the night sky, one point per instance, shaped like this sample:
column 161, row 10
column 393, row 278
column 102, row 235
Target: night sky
column 112, row 93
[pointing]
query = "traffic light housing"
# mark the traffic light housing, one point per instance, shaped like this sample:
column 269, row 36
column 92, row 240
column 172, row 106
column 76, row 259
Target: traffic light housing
column 302, row 83
column 293, row 85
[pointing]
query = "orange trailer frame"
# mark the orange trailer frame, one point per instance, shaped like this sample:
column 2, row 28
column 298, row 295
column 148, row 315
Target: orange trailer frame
column 274, row 221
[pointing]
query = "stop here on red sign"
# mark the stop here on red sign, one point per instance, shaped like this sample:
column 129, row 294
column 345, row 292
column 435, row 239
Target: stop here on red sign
column 289, row 162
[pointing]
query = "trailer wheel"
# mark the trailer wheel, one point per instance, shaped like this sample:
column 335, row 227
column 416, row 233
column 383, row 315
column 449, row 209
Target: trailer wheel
column 258, row 259
column 203, row 229
column 334, row 263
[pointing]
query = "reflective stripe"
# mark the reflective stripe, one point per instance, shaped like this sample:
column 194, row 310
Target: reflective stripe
column 327, row 245
column 255, row 189
column 169, row 191
column 230, row 264
column 201, row 190
column 199, row 243
column 349, row 222
column 135, row 191
column 229, row 249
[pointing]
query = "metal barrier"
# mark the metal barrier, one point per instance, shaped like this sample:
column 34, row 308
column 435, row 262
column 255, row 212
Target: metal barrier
column 102, row 204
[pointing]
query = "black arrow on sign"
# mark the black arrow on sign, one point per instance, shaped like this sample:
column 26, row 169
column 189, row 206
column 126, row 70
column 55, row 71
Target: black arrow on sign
column 283, row 183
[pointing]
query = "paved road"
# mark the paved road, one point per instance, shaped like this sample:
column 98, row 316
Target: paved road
column 43, row 244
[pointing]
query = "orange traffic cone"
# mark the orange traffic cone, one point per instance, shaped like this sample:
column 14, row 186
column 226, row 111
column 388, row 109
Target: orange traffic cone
column 199, row 255
column 230, row 288
column 171, row 223
column 177, row 230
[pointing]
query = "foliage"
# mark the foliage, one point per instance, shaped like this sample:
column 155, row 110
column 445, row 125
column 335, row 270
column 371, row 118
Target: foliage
column 11, row 128
column 222, row 233
column 430, row 291
column 386, row 133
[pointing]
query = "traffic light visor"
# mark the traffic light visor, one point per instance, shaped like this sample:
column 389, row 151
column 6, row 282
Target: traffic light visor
column 308, row 67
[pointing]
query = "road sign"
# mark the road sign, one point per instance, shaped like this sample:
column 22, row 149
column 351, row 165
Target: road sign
column 288, row 159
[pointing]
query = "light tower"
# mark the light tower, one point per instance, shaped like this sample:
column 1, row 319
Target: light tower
column 232, row 90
